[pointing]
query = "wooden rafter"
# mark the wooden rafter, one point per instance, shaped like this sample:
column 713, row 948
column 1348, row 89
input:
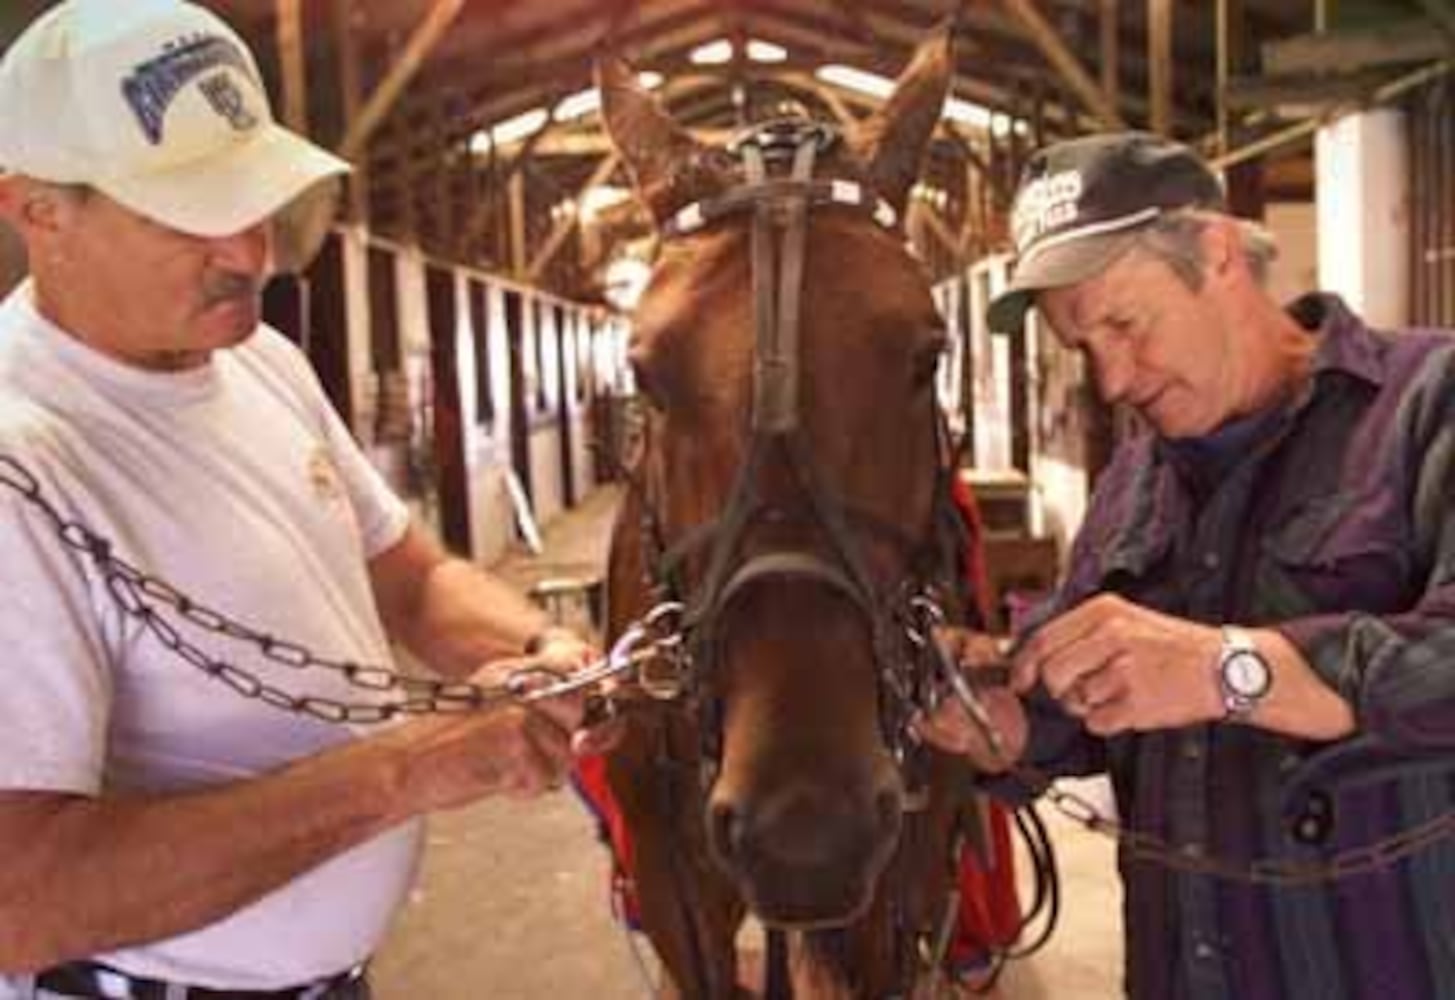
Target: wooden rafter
column 1111, row 64
column 351, row 93
column 1060, row 56
column 1442, row 12
column 1159, row 64
column 291, row 59
column 565, row 226
column 416, row 51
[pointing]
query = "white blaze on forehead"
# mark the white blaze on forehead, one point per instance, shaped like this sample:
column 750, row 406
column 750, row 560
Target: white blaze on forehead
column 1047, row 203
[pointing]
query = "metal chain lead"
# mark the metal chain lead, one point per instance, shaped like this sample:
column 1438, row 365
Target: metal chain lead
column 137, row 596
column 1376, row 856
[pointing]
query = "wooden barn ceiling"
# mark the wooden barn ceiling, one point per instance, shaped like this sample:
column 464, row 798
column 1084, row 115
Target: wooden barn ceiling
column 408, row 87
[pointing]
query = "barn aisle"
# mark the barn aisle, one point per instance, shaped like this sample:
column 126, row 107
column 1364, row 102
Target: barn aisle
column 513, row 899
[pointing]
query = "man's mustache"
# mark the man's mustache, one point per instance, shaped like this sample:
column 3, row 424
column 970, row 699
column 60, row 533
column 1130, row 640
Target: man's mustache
column 230, row 287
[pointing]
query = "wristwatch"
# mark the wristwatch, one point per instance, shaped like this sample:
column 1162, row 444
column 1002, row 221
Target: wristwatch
column 1244, row 677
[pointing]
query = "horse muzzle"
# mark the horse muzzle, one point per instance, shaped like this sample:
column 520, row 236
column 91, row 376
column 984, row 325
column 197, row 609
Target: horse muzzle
column 807, row 855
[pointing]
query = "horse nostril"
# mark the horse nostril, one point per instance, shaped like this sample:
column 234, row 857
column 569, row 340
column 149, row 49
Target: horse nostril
column 725, row 830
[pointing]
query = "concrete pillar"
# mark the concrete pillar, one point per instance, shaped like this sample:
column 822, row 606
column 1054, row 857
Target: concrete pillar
column 1363, row 214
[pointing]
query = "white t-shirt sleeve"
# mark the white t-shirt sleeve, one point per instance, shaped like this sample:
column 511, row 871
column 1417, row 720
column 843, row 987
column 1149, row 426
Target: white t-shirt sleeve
column 55, row 683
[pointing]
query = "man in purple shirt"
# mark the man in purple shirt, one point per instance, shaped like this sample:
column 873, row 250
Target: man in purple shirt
column 1256, row 634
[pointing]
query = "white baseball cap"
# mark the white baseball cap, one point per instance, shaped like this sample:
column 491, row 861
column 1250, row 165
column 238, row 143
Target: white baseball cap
column 157, row 104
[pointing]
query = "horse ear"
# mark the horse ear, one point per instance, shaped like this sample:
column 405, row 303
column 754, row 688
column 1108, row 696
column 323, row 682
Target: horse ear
column 892, row 141
column 669, row 168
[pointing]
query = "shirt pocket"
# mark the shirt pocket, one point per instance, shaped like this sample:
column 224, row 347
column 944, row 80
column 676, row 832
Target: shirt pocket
column 1337, row 553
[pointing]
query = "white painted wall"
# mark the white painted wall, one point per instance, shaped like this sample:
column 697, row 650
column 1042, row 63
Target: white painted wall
column 492, row 518
column 1056, row 393
column 1295, row 271
column 357, row 319
column 1363, row 213
column 582, row 433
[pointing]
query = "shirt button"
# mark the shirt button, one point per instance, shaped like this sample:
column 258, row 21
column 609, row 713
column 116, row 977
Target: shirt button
column 1191, row 748
column 1192, row 849
column 1211, row 560
column 1204, row 951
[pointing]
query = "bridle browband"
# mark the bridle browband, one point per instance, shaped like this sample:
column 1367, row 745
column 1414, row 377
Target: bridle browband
column 779, row 190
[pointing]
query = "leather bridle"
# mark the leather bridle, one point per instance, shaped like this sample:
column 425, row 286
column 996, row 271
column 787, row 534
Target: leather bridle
column 779, row 190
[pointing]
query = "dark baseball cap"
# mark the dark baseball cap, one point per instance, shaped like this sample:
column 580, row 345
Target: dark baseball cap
column 1081, row 204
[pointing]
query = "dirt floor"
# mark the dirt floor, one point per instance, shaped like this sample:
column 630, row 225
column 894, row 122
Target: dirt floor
column 513, row 901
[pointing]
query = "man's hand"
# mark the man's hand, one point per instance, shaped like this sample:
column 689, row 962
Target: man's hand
column 950, row 726
column 1119, row 666
column 516, row 750
column 561, row 652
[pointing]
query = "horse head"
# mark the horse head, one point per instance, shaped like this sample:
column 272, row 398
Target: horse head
column 787, row 344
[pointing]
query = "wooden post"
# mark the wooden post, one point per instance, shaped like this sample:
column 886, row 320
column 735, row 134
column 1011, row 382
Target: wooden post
column 290, row 58
column 519, row 252
column 345, row 30
column 1159, row 64
column 1111, row 53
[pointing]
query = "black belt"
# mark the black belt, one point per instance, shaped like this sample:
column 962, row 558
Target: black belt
column 94, row 980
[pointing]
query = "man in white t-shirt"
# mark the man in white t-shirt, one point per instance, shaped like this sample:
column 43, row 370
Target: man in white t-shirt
column 163, row 834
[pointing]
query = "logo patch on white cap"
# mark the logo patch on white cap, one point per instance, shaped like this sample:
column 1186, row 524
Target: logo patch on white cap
column 155, row 84
column 1047, row 203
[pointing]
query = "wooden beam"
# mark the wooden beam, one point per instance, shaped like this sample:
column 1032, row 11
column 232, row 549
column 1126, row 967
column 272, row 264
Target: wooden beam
column 346, row 32
column 519, row 232
column 1159, row 64
column 291, row 59
column 564, row 227
column 485, row 212
column 1443, row 14
column 1111, row 52
column 416, row 51
column 1302, row 96
column 1416, row 40
column 1065, row 62
column 1300, row 131
column 828, row 95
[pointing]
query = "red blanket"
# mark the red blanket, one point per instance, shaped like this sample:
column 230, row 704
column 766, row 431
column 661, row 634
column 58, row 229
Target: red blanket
column 989, row 909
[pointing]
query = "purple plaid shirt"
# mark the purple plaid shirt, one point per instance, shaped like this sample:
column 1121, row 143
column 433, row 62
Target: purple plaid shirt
column 1337, row 526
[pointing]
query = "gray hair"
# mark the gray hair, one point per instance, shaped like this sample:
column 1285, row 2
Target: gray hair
column 1176, row 239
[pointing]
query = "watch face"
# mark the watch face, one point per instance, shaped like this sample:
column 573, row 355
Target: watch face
column 1246, row 674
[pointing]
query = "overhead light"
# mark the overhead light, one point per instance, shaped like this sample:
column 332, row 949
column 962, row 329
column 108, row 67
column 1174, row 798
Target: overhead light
column 601, row 198
column 956, row 109
column 580, row 103
column 856, row 79
column 964, row 112
column 509, row 131
column 766, row 52
column 584, row 102
column 713, row 53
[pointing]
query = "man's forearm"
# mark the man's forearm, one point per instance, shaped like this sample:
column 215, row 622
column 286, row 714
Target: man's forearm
column 84, row 876
column 466, row 616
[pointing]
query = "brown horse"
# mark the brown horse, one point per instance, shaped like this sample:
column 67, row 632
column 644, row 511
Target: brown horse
column 792, row 493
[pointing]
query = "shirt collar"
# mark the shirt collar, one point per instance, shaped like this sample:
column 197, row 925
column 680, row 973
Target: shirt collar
column 1345, row 344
